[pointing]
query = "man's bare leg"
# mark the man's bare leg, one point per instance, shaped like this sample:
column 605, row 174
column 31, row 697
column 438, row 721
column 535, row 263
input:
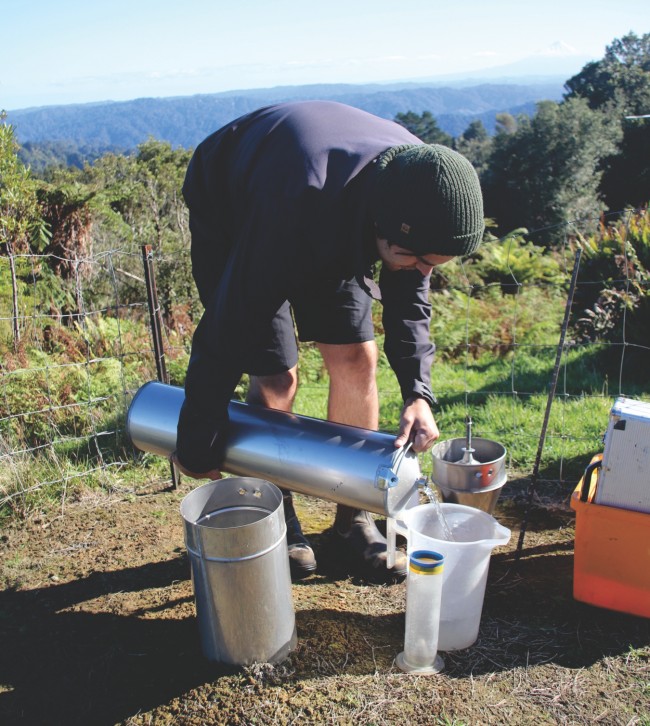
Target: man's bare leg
column 276, row 391
column 354, row 400
column 279, row 391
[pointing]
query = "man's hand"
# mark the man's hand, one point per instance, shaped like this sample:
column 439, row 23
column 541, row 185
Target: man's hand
column 417, row 425
column 212, row 475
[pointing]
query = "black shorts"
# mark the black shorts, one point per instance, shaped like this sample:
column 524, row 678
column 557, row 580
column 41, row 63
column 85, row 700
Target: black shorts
column 336, row 313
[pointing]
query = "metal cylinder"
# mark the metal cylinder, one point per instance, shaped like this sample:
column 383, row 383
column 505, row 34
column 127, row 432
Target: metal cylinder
column 345, row 464
column 235, row 537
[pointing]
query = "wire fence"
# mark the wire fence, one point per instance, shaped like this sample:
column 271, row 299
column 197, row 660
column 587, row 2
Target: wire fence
column 74, row 355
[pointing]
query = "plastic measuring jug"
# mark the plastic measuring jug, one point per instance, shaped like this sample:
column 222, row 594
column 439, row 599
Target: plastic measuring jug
column 467, row 559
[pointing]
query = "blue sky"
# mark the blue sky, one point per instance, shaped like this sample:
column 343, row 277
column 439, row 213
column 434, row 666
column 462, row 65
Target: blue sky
column 74, row 51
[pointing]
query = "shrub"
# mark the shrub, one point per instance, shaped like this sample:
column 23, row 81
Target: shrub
column 509, row 262
column 616, row 274
column 491, row 322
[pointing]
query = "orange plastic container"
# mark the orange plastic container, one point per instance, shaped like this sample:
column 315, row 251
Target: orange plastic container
column 612, row 551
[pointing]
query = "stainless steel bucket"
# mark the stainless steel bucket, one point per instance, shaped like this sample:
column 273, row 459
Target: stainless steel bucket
column 235, row 536
column 475, row 485
column 345, row 464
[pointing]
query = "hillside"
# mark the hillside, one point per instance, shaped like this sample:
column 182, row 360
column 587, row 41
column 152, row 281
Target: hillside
column 184, row 121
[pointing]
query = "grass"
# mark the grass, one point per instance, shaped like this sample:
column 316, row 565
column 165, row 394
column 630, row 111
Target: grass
column 502, row 411
column 62, row 411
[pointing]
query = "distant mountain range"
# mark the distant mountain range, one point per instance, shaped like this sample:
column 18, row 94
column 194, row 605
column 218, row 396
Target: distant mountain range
column 556, row 61
column 185, row 120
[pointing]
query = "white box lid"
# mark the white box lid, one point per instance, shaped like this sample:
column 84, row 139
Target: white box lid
column 631, row 408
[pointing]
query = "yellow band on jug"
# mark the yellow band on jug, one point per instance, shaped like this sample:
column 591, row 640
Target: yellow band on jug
column 426, row 562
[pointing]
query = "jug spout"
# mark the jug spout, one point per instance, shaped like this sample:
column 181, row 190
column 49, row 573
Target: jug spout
column 500, row 536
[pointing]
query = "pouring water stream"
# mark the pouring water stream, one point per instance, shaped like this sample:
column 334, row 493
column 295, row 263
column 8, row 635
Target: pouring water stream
column 433, row 497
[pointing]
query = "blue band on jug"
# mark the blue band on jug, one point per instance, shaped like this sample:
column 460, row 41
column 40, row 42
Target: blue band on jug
column 426, row 562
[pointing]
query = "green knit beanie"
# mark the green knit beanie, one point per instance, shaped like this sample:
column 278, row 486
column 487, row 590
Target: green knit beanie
column 427, row 199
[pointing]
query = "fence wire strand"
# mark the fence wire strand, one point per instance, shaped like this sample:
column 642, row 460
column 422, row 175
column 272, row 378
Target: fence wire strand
column 87, row 420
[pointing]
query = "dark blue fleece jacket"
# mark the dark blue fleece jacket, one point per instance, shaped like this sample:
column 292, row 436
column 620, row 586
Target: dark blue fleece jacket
column 279, row 198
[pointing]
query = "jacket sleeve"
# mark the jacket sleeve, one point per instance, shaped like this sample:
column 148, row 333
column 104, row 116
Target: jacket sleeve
column 406, row 318
column 236, row 314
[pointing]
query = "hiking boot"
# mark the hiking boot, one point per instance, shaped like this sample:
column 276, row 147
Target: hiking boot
column 364, row 547
column 302, row 561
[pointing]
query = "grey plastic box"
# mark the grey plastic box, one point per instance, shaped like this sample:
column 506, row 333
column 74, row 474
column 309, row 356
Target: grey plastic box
column 625, row 477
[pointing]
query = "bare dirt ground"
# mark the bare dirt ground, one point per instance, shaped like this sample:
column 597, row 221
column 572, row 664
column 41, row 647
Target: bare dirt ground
column 97, row 626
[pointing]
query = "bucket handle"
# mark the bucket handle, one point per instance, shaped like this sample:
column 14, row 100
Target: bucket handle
column 586, row 479
column 254, row 556
column 401, row 455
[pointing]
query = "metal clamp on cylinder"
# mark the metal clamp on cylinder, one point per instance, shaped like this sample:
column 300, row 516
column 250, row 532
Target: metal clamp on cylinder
column 385, row 478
